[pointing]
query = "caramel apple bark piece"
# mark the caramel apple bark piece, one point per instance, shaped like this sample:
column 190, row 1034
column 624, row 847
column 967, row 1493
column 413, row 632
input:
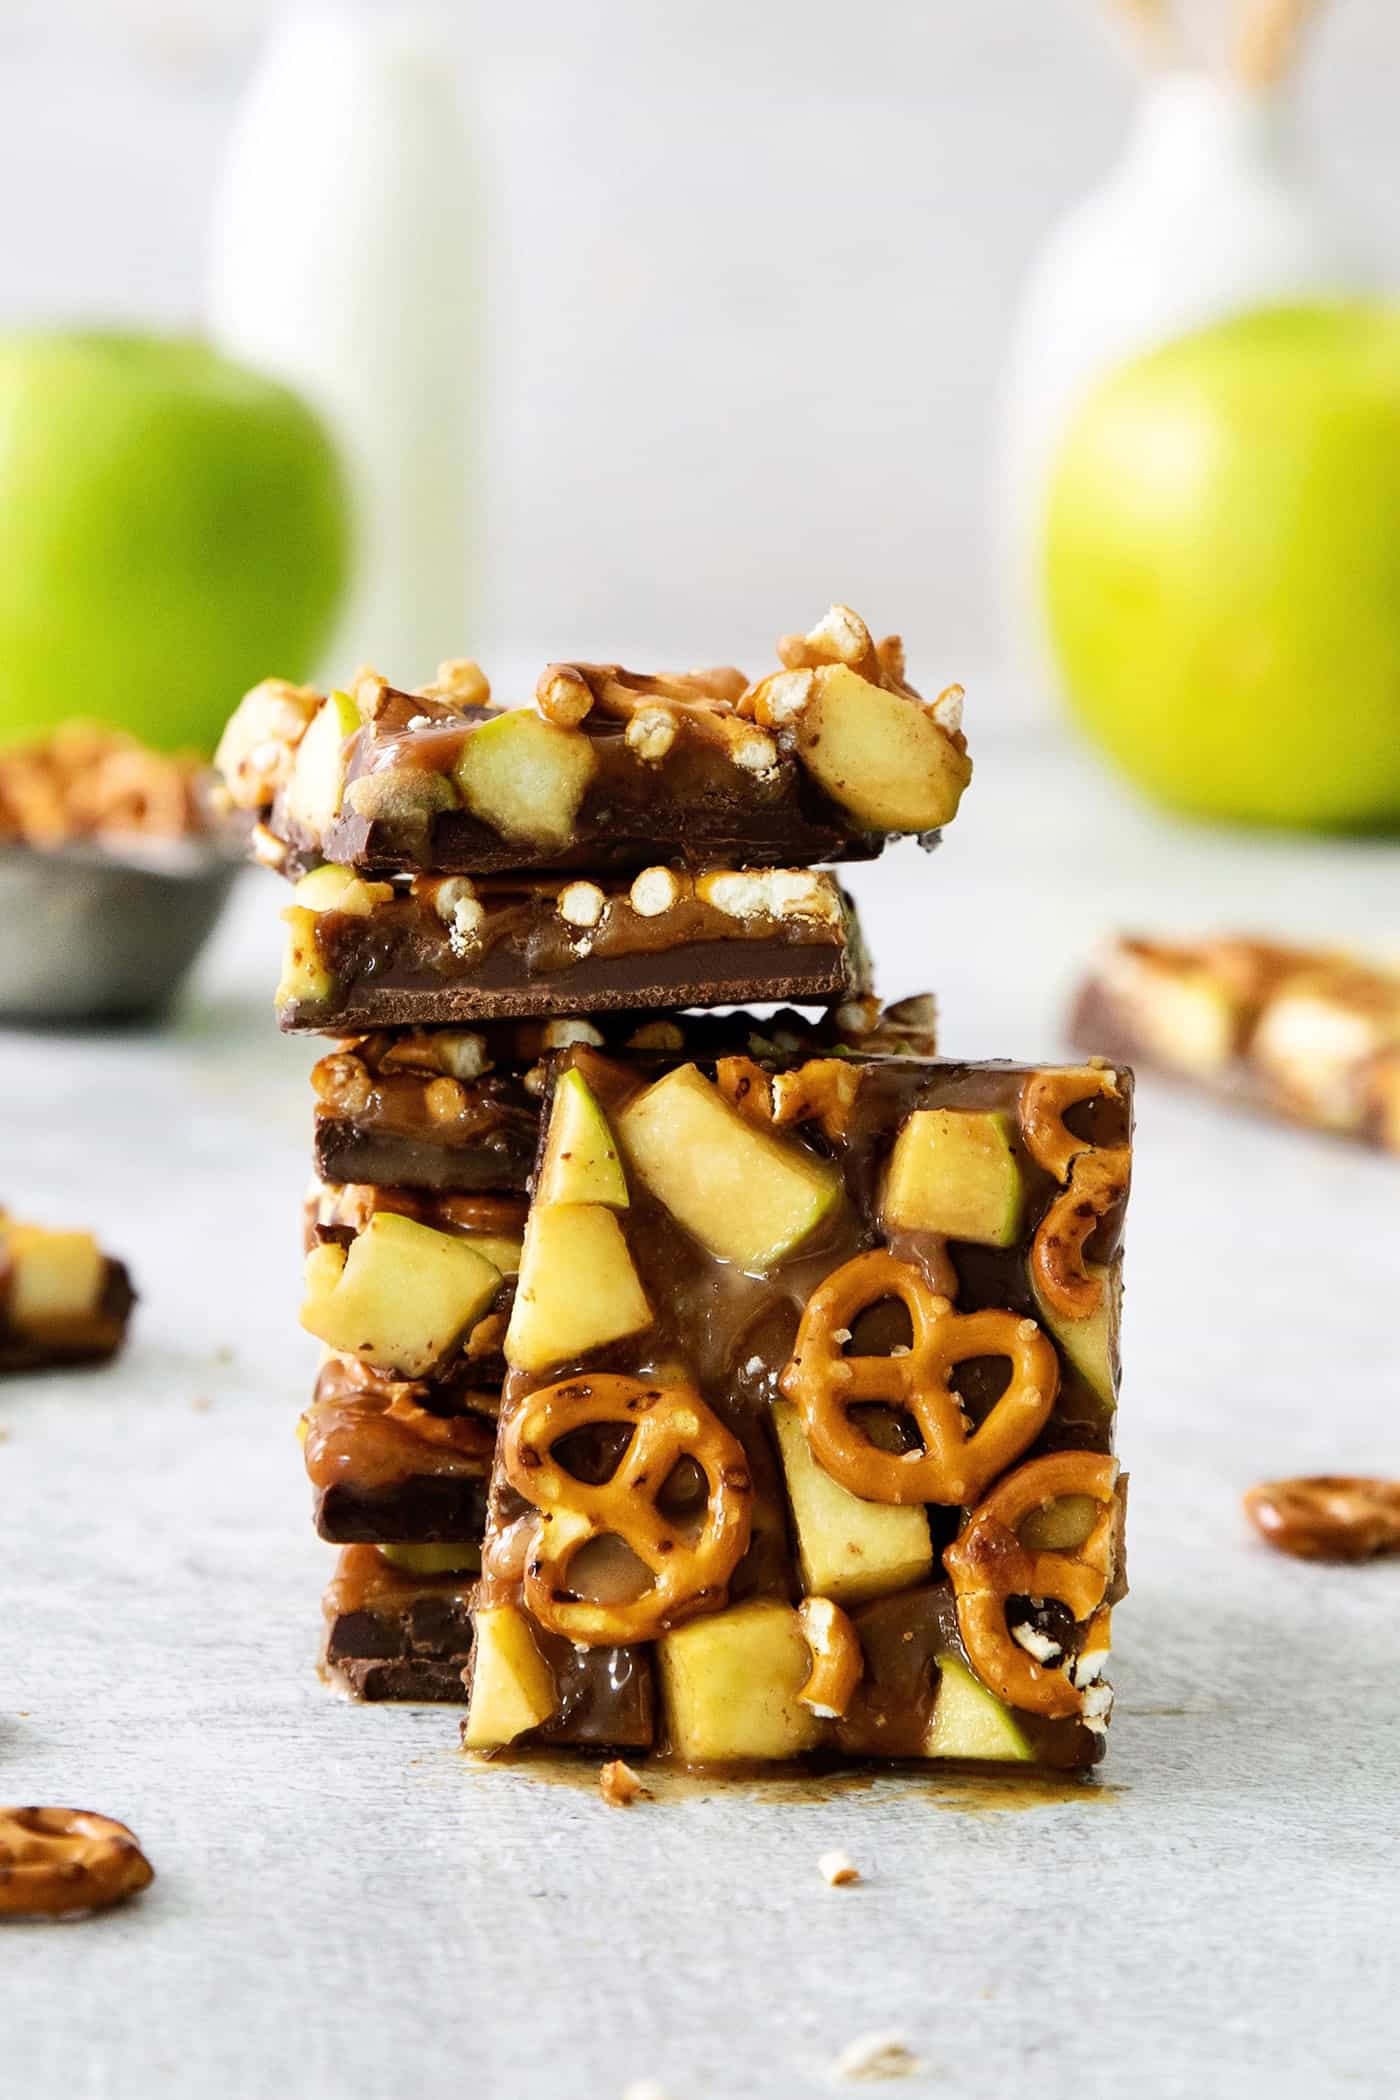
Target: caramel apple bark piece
column 433, row 952
column 62, row 1300
column 1307, row 1035
column 881, row 1383
column 457, row 1110
column 609, row 769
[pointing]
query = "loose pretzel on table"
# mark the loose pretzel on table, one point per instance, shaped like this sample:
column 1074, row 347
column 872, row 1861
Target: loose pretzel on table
column 667, row 1423
column 54, row 1861
column 956, row 1463
column 989, row 1565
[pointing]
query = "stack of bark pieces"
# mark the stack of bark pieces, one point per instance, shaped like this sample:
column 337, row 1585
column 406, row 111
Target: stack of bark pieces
column 475, row 888
column 571, row 1198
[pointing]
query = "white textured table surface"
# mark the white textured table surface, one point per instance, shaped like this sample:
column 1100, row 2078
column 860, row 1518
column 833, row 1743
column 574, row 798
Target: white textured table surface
column 345, row 1911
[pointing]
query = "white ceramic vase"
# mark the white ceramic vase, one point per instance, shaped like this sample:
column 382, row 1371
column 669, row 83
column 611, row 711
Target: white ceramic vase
column 344, row 261
column 1213, row 209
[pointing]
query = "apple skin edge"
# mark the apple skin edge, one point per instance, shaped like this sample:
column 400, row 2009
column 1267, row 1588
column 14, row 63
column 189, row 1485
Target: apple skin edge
column 175, row 526
column 1222, row 569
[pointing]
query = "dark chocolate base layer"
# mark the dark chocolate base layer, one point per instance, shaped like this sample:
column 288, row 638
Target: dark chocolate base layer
column 611, row 837
column 385, row 1159
column 398, row 1638
column 417, row 1679
column 429, row 1509
column 705, row 973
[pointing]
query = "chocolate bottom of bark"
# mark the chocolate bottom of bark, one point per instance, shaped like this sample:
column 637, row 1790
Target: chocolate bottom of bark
column 423, row 1511
column 380, row 1479
column 391, row 1635
column 388, row 1159
column 420, row 1681
column 613, row 835
column 92, row 1339
column 706, row 973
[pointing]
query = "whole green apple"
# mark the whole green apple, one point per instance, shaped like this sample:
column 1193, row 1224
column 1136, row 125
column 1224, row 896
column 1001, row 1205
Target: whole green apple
column 1223, row 568
column 174, row 528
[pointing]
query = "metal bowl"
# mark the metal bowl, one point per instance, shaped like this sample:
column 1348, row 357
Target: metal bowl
column 92, row 933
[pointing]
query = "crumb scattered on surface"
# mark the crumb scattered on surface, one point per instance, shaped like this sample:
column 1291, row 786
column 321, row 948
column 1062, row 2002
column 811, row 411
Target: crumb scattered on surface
column 620, row 1787
column 4, row 1436
column 224, row 1353
column 838, row 1868
column 201, row 1403
column 645, row 2089
column 872, row 2056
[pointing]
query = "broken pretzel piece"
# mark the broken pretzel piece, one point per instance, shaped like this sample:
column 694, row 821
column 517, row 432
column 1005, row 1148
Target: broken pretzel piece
column 619, row 1785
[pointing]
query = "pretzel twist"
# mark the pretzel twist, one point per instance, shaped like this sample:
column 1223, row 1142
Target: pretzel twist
column 956, row 1463
column 989, row 1565
column 1095, row 1179
column 690, row 1571
column 1046, row 1097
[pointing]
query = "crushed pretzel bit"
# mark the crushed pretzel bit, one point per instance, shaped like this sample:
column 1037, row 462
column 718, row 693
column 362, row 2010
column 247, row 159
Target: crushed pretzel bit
column 619, row 1785
column 872, row 2056
column 838, row 1869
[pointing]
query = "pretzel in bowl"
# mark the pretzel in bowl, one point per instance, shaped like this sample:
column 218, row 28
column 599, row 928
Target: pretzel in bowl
column 689, row 1568
column 989, row 1565
column 956, row 1463
column 55, row 1862
column 1095, row 1178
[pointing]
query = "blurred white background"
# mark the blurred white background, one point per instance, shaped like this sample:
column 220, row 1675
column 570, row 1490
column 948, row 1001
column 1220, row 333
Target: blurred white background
column 750, row 273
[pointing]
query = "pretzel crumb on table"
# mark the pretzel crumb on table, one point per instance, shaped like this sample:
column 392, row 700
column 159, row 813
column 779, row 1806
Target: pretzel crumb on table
column 838, row 1869
column 619, row 1785
column 875, row 2056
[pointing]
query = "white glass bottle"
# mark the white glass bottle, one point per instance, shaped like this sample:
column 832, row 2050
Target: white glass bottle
column 343, row 261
